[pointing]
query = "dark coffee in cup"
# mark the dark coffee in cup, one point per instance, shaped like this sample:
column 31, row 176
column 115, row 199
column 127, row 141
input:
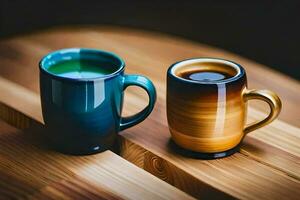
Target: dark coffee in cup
column 201, row 75
column 206, row 72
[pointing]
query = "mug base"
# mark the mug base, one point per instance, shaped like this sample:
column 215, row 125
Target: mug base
column 79, row 153
column 79, row 144
column 83, row 150
column 202, row 155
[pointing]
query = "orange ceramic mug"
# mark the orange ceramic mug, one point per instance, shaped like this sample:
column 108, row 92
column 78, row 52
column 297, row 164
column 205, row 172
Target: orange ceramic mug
column 207, row 105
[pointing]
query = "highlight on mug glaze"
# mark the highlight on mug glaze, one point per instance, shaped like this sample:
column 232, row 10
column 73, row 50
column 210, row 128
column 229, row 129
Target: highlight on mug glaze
column 207, row 104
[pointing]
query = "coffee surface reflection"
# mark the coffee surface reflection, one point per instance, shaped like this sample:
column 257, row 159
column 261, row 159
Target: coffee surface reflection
column 206, row 76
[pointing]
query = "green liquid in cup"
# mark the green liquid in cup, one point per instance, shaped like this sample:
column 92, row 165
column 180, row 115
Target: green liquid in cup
column 80, row 69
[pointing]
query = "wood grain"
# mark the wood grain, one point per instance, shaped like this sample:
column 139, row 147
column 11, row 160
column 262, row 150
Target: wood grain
column 268, row 163
column 28, row 169
column 74, row 188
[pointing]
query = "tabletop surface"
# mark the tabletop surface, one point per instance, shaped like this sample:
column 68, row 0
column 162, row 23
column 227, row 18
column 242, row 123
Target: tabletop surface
column 28, row 170
column 267, row 166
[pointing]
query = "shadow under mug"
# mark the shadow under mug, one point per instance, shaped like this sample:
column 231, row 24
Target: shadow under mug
column 83, row 115
column 209, row 117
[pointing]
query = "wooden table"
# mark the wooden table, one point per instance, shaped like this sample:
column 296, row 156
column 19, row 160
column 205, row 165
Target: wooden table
column 30, row 171
column 267, row 166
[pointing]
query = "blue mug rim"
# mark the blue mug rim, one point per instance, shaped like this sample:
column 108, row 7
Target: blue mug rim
column 120, row 69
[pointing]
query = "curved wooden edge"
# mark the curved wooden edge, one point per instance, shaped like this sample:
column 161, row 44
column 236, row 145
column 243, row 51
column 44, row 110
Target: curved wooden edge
column 127, row 41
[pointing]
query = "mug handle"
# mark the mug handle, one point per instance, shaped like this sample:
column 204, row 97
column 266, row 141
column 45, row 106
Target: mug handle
column 148, row 86
column 268, row 96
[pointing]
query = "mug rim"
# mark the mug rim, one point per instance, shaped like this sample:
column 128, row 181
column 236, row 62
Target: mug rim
column 240, row 70
column 76, row 50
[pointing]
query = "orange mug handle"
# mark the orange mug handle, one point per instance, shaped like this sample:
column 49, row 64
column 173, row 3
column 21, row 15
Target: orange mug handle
column 268, row 96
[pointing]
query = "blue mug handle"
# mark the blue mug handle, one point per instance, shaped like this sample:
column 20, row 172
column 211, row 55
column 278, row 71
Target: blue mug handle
column 148, row 86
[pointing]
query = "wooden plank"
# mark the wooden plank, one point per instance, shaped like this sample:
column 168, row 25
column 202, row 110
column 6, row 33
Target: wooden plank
column 148, row 146
column 28, row 169
column 74, row 188
column 268, row 165
column 256, row 172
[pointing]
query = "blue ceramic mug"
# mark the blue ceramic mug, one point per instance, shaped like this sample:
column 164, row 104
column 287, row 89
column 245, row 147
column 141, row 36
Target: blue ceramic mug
column 83, row 115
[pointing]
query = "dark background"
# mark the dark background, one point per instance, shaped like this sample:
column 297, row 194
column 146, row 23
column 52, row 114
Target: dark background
column 265, row 31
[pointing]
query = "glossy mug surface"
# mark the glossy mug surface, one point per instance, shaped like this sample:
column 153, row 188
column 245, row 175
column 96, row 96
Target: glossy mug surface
column 207, row 105
column 83, row 114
